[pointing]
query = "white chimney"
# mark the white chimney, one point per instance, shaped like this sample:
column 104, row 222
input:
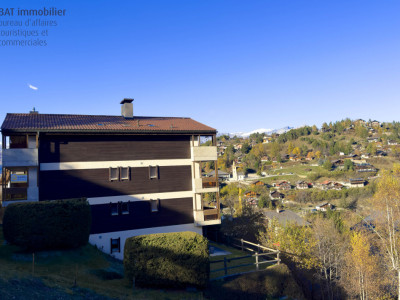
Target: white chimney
column 127, row 108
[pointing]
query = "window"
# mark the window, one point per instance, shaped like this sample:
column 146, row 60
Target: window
column 114, row 174
column 153, row 172
column 125, row 208
column 114, row 209
column 115, row 245
column 154, row 204
column 119, row 208
column 124, row 173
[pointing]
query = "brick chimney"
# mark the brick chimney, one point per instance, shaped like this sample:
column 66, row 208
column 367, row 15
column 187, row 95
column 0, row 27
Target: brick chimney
column 127, row 108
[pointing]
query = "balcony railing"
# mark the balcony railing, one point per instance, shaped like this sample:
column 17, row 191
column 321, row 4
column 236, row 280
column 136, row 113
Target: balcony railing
column 204, row 153
column 17, row 193
column 207, row 216
column 20, row 157
column 206, row 185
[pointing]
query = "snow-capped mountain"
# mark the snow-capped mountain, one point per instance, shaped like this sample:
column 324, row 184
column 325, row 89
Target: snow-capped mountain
column 261, row 130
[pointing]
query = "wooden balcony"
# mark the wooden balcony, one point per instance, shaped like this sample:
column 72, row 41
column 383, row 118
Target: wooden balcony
column 207, row 216
column 206, row 185
column 17, row 193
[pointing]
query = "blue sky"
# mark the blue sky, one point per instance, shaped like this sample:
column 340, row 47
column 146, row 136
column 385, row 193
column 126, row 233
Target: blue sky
column 233, row 65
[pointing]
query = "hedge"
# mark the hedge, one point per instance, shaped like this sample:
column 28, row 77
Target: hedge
column 45, row 225
column 175, row 260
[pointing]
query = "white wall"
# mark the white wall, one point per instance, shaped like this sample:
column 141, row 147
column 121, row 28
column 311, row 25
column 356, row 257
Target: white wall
column 103, row 240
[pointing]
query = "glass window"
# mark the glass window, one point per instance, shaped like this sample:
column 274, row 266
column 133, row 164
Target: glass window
column 153, row 172
column 125, row 208
column 154, row 205
column 115, row 245
column 124, row 173
column 114, row 174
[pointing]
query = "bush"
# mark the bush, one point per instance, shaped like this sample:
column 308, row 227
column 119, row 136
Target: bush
column 167, row 260
column 45, row 225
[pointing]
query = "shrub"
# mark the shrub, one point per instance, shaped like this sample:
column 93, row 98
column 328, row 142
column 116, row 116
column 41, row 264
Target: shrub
column 167, row 260
column 45, row 225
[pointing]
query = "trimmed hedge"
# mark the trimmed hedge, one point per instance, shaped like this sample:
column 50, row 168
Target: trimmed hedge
column 175, row 260
column 45, row 225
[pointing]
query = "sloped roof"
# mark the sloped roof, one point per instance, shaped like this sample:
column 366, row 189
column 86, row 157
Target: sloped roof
column 98, row 123
column 286, row 216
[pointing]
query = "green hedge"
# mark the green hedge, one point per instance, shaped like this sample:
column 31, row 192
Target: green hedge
column 174, row 260
column 59, row 224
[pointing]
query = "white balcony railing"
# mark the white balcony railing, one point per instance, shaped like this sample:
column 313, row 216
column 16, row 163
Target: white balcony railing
column 204, row 153
column 24, row 157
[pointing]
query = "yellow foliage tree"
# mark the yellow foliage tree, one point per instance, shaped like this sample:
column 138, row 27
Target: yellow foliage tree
column 318, row 154
column 296, row 151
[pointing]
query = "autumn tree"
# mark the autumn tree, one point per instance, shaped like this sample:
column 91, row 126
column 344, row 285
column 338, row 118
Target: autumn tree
column 290, row 148
column 361, row 270
column 296, row 151
column 386, row 204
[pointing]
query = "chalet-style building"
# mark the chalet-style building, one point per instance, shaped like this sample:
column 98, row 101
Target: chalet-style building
column 140, row 175
column 357, row 182
column 283, row 185
column 324, row 206
column 275, row 195
column 302, row 185
column 251, row 194
column 364, row 168
column 331, row 185
column 222, row 176
column 257, row 183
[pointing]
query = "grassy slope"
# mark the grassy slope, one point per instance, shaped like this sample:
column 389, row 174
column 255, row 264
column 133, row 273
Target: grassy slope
column 98, row 276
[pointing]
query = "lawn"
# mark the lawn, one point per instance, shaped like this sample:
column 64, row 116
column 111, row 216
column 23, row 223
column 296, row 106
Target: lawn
column 95, row 273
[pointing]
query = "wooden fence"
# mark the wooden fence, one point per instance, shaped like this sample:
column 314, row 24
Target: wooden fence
column 262, row 255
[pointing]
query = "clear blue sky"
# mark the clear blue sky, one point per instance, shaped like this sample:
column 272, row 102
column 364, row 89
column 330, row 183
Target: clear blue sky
column 233, row 65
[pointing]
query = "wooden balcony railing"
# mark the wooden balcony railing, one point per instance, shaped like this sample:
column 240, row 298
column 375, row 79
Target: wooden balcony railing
column 17, row 193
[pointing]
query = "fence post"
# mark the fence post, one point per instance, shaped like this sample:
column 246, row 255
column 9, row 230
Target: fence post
column 277, row 257
column 225, row 267
column 241, row 240
column 257, row 261
column 33, row 263
column 258, row 247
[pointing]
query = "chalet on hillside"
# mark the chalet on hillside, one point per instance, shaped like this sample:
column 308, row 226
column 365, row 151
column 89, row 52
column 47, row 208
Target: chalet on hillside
column 324, row 206
column 392, row 143
column 265, row 159
column 283, row 185
column 364, row 168
column 275, row 195
column 251, row 194
column 338, row 163
column 257, row 183
column 357, row 182
column 331, row 185
column 302, row 185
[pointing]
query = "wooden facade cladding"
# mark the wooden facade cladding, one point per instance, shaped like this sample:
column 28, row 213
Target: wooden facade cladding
column 171, row 212
column 95, row 182
column 79, row 148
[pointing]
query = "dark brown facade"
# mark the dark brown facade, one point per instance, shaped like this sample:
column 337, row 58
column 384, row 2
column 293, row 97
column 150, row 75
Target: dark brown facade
column 80, row 148
column 170, row 212
column 95, row 182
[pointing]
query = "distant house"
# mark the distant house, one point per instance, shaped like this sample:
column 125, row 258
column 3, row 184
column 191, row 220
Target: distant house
column 283, row 185
column 365, row 155
column 237, row 146
column 375, row 123
column 374, row 139
column 338, row 164
column 284, row 217
column 251, row 194
column 275, row 195
column 360, row 122
column 221, row 175
column 265, row 159
column 392, row 142
column 364, row 168
column 380, row 153
column 324, row 206
column 257, row 183
column 302, row 185
column 357, row 182
column 267, row 139
column 331, row 185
